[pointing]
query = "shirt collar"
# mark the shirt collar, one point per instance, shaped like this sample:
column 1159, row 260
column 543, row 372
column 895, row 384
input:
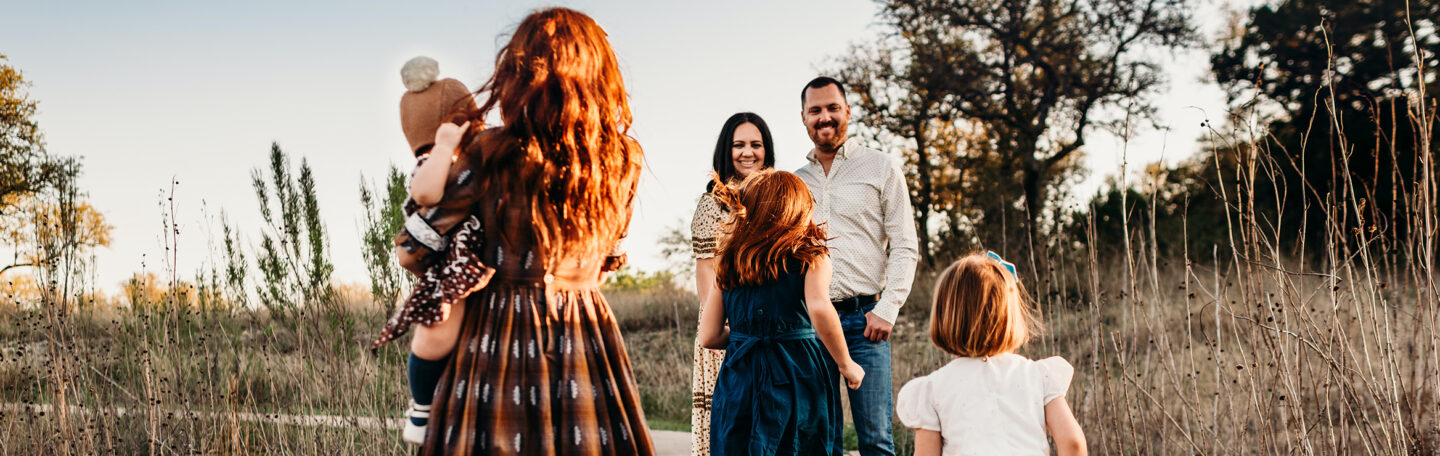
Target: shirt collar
column 840, row 152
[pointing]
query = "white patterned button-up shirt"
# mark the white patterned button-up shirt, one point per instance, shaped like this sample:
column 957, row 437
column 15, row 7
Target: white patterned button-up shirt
column 866, row 205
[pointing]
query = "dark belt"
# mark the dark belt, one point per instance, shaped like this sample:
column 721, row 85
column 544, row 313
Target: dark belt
column 853, row 304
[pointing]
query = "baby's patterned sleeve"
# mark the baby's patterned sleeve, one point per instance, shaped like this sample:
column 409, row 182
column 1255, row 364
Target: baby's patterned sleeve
column 914, row 407
column 1058, row 374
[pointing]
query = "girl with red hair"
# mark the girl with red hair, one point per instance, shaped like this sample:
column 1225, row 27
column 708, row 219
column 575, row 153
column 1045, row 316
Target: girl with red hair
column 777, row 392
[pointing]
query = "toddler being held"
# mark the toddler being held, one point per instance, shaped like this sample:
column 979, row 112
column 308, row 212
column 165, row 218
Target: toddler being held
column 438, row 240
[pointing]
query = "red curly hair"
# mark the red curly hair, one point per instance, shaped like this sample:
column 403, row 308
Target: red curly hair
column 565, row 128
column 770, row 222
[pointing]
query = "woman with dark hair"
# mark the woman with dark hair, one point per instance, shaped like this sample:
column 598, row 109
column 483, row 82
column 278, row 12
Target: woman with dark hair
column 744, row 147
column 538, row 365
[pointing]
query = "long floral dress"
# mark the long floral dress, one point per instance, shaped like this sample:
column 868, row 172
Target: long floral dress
column 704, row 239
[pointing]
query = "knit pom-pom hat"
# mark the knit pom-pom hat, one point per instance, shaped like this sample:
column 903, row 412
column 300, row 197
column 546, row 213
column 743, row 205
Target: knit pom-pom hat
column 427, row 102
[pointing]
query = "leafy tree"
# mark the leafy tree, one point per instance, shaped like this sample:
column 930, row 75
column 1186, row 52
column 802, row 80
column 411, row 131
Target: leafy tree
column 236, row 269
column 677, row 250
column 628, row 278
column 981, row 195
column 899, row 88
column 54, row 229
column 1349, row 89
column 16, row 289
column 145, row 291
column 319, row 270
column 42, row 234
column 25, row 167
column 292, row 257
column 1173, row 211
column 1040, row 75
column 1300, row 53
column 384, row 216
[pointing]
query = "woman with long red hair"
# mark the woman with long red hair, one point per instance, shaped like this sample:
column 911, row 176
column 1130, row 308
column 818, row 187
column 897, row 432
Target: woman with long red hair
column 777, row 392
column 538, row 365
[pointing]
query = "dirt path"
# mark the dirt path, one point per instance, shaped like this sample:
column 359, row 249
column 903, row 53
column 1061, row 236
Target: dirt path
column 667, row 443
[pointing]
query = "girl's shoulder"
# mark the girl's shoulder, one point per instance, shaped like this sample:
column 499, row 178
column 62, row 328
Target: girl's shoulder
column 1056, row 365
column 921, row 383
column 1053, row 374
column 916, row 403
column 955, row 370
column 1056, row 374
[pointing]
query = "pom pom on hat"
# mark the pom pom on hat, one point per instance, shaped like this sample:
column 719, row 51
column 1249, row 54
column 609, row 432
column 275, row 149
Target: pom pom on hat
column 418, row 73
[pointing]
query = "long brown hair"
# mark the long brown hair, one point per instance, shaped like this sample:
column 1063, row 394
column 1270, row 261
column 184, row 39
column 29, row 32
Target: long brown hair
column 566, row 121
column 770, row 223
column 980, row 309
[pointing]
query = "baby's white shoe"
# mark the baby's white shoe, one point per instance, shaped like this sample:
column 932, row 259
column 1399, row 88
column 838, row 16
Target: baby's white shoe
column 414, row 433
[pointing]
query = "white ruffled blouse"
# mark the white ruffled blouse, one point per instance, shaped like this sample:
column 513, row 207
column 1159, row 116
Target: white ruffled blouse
column 986, row 406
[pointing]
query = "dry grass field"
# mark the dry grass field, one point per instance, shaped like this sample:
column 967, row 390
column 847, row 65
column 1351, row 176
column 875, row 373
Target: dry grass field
column 1171, row 358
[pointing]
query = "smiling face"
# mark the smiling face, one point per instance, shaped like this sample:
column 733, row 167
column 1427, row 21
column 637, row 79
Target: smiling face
column 747, row 150
column 826, row 117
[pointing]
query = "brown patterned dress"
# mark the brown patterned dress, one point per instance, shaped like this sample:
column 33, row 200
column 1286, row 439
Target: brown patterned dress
column 540, row 367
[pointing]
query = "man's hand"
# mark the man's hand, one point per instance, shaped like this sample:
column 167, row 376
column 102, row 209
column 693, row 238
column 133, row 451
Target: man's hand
column 876, row 328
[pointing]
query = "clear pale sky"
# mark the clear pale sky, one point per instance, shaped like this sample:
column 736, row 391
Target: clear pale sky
column 150, row 90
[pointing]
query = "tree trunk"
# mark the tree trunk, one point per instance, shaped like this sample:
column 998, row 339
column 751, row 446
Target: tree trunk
column 921, row 202
column 1035, row 187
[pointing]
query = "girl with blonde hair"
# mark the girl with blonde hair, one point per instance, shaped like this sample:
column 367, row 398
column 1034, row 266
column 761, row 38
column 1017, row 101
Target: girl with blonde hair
column 988, row 400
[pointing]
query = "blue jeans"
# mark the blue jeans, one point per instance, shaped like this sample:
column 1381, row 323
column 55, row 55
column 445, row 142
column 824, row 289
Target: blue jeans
column 873, row 405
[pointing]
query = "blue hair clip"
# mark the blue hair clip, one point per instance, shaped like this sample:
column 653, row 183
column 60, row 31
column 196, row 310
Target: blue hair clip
column 1008, row 265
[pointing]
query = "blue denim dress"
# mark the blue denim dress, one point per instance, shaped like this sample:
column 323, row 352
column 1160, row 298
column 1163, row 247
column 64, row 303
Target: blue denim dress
column 778, row 392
